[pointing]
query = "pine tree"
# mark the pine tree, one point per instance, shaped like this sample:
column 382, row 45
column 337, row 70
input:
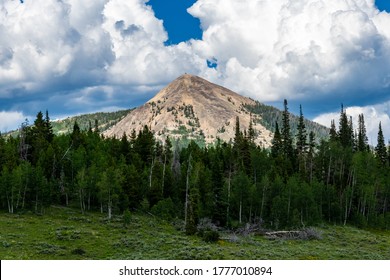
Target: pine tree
column 345, row 134
column 38, row 139
column 311, row 154
column 287, row 146
column 48, row 128
column 302, row 134
column 332, row 132
column 276, row 147
column 96, row 127
column 353, row 141
column 380, row 149
column 238, row 136
column 76, row 136
column 362, row 140
column 251, row 131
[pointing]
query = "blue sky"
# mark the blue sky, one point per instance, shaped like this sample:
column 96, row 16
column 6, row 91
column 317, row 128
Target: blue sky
column 383, row 5
column 180, row 25
column 79, row 56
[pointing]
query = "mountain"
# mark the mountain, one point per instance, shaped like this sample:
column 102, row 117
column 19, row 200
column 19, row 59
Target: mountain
column 190, row 108
column 194, row 108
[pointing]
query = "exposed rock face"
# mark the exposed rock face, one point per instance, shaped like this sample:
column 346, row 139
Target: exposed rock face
column 193, row 107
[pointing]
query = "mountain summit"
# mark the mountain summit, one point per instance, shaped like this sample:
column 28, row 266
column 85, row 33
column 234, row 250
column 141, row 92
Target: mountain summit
column 193, row 108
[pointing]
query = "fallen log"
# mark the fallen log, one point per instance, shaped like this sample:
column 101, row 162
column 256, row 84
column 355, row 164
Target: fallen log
column 291, row 234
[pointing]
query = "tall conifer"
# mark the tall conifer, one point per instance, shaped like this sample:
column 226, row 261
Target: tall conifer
column 380, row 149
column 362, row 140
column 287, row 146
column 302, row 134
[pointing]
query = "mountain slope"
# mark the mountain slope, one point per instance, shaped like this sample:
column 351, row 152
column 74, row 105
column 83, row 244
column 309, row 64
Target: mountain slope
column 195, row 108
column 105, row 121
column 270, row 115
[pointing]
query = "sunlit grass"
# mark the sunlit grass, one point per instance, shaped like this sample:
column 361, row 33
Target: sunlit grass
column 63, row 233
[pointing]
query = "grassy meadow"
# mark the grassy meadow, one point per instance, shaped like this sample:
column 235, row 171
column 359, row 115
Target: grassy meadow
column 64, row 233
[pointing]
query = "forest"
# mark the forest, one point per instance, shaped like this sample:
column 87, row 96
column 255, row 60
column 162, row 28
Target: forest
column 300, row 181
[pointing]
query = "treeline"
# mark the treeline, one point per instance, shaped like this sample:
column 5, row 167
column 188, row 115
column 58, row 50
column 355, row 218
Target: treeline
column 296, row 183
column 270, row 115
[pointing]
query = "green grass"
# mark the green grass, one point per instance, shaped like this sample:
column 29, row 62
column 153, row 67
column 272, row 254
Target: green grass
column 63, row 233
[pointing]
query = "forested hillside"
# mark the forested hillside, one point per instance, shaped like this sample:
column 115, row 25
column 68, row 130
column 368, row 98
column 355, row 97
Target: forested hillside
column 103, row 120
column 296, row 183
column 270, row 115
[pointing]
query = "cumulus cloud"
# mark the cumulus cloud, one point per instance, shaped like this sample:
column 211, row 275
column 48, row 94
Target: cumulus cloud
column 93, row 54
column 11, row 120
column 54, row 49
column 307, row 49
column 46, row 44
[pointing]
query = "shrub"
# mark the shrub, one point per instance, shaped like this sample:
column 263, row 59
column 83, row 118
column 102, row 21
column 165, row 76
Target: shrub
column 164, row 209
column 210, row 236
column 78, row 251
column 126, row 218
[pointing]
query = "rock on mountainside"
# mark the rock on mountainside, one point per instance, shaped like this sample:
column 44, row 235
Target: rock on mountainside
column 194, row 108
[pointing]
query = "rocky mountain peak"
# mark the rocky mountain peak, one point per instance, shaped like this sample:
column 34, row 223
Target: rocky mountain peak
column 194, row 108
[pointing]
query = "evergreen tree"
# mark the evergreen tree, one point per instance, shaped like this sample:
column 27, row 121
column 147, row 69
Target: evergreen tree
column 48, row 128
column 276, row 147
column 237, row 132
column 288, row 163
column 76, row 136
column 311, row 154
column 38, row 138
column 333, row 132
column 352, row 134
column 302, row 134
column 287, row 146
column 362, row 140
column 251, row 131
column 345, row 134
column 144, row 145
column 96, row 127
column 380, row 149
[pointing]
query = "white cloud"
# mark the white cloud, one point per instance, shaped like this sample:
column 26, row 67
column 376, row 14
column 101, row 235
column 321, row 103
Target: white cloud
column 293, row 49
column 310, row 51
column 137, row 38
column 372, row 116
column 11, row 120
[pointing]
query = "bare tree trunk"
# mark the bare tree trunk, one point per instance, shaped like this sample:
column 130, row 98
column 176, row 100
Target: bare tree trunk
column 353, row 182
column 109, row 206
column 109, row 211
column 24, row 194
column 151, row 174
column 81, row 201
column 18, row 199
column 10, row 208
column 262, row 201
column 240, row 212
column 328, row 176
column 12, row 201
